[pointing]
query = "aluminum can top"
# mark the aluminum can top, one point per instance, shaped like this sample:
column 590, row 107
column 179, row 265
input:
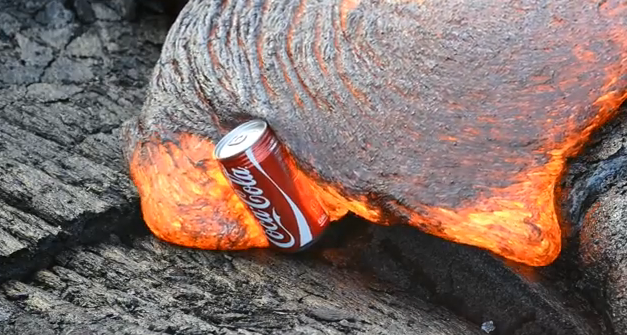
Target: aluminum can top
column 240, row 138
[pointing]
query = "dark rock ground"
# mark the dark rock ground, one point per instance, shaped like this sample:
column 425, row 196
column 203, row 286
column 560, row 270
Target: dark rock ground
column 75, row 257
column 597, row 206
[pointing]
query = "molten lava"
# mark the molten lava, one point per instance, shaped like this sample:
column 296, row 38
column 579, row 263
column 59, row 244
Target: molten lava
column 186, row 200
column 461, row 115
column 520, row 222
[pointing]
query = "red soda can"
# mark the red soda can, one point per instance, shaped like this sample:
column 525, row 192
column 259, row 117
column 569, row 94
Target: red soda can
column 256, row 165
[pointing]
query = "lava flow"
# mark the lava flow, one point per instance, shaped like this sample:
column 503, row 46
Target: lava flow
column 186, row 200
column 519, row 222
column 454, row 117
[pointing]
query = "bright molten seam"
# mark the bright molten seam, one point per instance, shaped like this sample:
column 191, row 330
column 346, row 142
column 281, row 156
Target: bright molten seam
column 186, row 200
column 519, row 222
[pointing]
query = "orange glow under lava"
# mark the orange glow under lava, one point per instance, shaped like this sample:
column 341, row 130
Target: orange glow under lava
column 186, row 200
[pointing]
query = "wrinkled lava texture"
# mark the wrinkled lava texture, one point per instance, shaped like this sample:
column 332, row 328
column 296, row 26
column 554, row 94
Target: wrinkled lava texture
column 452, row 116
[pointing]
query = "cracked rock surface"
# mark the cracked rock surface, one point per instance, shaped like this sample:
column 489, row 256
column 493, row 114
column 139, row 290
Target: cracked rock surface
column 599, row 183
column 148, row 287
column 65, row 87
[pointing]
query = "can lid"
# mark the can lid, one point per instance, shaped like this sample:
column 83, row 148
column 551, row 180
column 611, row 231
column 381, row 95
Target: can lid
column 240, row 138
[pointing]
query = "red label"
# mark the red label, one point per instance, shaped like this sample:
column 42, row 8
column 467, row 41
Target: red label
column 290, row 216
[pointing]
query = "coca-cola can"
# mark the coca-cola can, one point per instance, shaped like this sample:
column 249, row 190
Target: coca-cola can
column 273, row 189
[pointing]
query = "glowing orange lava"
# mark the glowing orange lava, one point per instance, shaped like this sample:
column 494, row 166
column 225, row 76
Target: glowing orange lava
column 186, row 200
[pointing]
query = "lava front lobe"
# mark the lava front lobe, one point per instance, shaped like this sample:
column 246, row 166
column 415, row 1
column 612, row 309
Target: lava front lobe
column 186, row 199
column 456, row 117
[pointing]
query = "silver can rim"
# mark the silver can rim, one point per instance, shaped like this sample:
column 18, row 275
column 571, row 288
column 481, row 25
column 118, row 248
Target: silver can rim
column 248, row 125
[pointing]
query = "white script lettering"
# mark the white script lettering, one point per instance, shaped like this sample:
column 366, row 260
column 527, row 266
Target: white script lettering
column 259, row 205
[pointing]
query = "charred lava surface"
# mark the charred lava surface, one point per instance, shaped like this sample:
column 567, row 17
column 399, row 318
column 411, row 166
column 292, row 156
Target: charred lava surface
column 457, row 118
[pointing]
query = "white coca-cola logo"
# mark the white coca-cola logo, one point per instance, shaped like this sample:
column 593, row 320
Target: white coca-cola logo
column 260, row 206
